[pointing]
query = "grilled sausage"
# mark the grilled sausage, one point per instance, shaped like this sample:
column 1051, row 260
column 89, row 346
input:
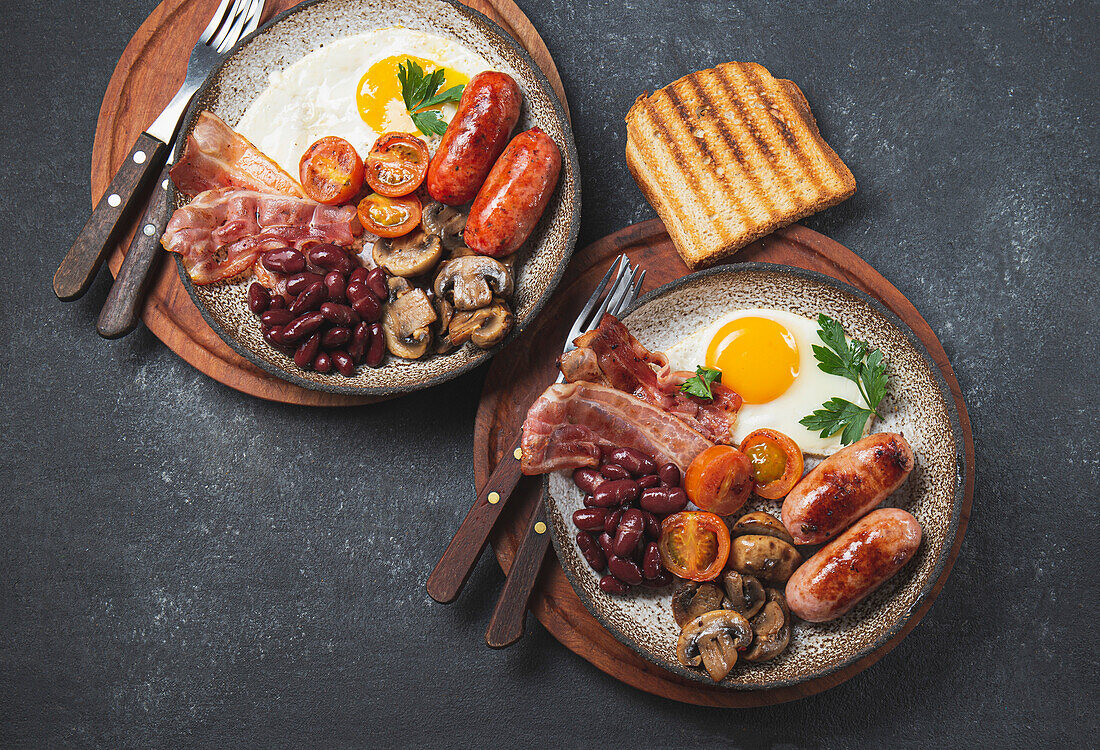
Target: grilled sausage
column 514, row 195
column 487, row 112
column 853, row 565
column 847, row 484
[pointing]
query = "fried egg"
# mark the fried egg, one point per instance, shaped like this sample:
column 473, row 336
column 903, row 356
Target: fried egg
column 767, row 357
column 349, row 88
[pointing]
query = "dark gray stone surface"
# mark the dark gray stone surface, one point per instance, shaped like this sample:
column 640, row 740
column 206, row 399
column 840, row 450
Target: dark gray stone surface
column 183, row 565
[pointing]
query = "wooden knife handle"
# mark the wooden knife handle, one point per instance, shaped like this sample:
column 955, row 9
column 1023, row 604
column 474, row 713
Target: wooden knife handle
column 454, row 567
column 79, row 267
column 122, row 309
column 507, row 623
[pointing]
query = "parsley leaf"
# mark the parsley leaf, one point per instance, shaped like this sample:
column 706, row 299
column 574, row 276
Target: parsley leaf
column 857, row 362
column 699, row 386
column 421, row 93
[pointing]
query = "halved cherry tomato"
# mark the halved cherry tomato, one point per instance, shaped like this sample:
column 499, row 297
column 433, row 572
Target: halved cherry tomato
column 331, row 171
column 397, row 163
column 694, row 544
column 719, row 479
column 389, row 217
column 777, row 462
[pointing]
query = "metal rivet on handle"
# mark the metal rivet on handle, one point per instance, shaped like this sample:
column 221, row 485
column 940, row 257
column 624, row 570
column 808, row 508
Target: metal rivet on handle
column 149, row 230
column 113, row 200
column 494, row 498
column 540, row 528
column 139, row 157
column 518, row 453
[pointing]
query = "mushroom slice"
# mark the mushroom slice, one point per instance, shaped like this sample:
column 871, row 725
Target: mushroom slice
column 714, row 639
column 406, row 324
column 761, row 523
column 470, row 281
column 445, row 222
column 397, row 286
column 485, row 327
column 691, row 599
column 745, row 593
column 771, row 560
column 414, row 254
column 771, row 629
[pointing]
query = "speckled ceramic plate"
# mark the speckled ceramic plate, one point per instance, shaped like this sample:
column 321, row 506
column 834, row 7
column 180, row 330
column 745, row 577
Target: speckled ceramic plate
column 918, row 405
column 540, row 263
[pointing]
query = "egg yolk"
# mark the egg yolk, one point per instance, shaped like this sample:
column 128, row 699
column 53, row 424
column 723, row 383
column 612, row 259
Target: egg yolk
column 757, row 356
column 379, row 94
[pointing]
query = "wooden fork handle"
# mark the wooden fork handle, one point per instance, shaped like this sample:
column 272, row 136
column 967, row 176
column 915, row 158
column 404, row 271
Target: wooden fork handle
column 507, row 623
column 122, row 309
column 84, row 258
column 454, row 567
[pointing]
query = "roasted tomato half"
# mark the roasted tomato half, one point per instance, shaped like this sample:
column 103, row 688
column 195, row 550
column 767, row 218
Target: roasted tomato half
column 694, row 544
column 331, row 171
column 397, row 164
column 389, row 217
column 719, row 480
column 776, row 462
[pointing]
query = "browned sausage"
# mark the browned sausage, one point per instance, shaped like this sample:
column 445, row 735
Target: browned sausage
column 487, row 112
column 515, row 194
column 853, row 565
column 845, row 486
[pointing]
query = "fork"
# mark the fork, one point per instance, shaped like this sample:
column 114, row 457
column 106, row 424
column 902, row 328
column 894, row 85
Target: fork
column 150, row 152
column 506, row 624
column 454, row 567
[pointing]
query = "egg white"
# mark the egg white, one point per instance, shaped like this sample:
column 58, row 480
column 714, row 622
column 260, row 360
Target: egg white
column 315, row 97
column 810, row 389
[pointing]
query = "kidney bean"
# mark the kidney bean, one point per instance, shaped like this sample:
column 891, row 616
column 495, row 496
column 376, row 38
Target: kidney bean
column 615, row 492
column 663, row 501
column 360, row 340
column 636, row 462
column 359, row 274
column 587, row 479
column 377, row 348
column 336, row 286
column 651, row 562
column 609, row 584
column 589, row 519
column 330, row 257
column 663, row 579
column 323, row 362
column 274, row 336
column 258, row 298
column 590, row 548
column 335, row 337
column 649, row 480
column 343, row 362
column 652, row 525
column 376, row 282
column 625, row 569
column 604, row 540
column 368, row 307
column 611, row 521
column 337, row 313
column 630, row 530
column 614, row 471
column 276, row 318
column 357, row 289
column 297, row 283
column 286, row 260
column 670, row 475
column 307, row 350
column 588, row 503
column 277, row 302
column 310, row 299
column 302, row 326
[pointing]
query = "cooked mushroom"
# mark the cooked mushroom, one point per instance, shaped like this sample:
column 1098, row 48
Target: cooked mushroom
column 744, row 592
column 771, row 560
column 771, row 629
column 761, row 523
column 486, row 327
column 406, row 324
column 691, row 599
column 471, row 280
column 397, row 286
column 414, row 254
column 445, row 222
column 713, row 639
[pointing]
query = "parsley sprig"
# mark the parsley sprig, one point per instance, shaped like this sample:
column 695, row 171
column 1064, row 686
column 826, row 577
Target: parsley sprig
column 421, row 93
column 700, row 384
column 857, row 362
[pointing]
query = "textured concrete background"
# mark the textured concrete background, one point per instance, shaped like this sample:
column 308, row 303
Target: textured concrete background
column 183, row 565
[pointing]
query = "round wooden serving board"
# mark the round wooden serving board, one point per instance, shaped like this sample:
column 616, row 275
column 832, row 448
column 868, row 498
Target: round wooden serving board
column 523, row 370
column 150, row 70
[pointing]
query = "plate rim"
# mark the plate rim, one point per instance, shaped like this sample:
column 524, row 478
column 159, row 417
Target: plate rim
column 571, row 157
column 959, row 495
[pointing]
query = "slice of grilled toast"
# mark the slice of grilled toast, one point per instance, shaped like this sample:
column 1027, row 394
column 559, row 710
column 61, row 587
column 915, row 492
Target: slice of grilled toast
column 728, row 155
